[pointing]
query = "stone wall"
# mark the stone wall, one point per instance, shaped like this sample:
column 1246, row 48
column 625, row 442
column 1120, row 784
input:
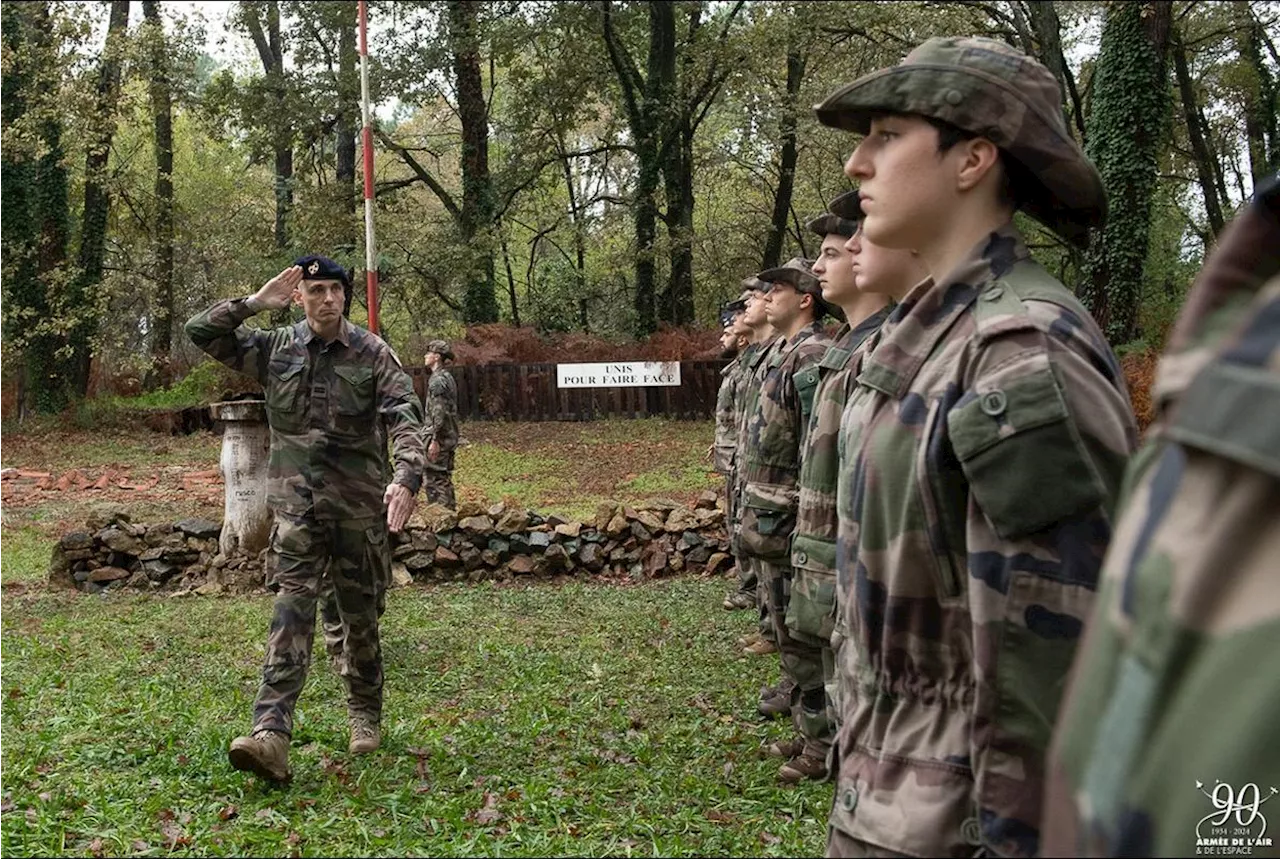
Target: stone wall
column 652, row 539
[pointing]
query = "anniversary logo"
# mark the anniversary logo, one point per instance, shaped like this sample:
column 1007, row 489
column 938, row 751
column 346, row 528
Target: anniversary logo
column 1236, row 826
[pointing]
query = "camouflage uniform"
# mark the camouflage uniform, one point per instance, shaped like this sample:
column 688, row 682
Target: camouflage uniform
column 811, row 609
column 1174, row 699
column 776, row 434
column 981, row 453
column 442, row 427
column 331, row 407
column 725, row 451
column 755, row 360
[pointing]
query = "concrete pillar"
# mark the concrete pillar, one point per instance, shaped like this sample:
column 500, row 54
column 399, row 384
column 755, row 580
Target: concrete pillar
column 246, row 442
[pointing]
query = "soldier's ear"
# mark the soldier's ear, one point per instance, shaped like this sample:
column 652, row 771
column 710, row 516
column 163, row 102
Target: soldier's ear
column 297, row 296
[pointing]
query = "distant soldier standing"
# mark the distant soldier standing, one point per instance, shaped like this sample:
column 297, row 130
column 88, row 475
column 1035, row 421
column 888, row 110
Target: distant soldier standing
column 334, row 393
column 733, row 342
column 771, row 467
column 810, row 613
column 440, row 432
column 981, row 454
column 754, row 363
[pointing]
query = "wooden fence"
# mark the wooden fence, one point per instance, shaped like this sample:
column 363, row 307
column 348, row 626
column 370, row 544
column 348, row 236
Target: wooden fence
column 528, row 392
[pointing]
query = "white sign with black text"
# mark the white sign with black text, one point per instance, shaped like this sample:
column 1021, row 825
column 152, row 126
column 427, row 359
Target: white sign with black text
column 622, row 374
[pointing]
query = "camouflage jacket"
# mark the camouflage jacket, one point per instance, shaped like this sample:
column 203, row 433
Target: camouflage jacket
column 753, row 363
column 726, row 440
column 441, row 423
column 330, row 406
column 775, row 434
column 1169, row 723
column 981, row 453
column 811, row 610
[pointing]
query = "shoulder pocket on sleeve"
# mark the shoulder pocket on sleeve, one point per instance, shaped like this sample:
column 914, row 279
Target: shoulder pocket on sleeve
column 1022, row 454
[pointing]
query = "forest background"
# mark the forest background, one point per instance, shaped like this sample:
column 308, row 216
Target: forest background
column 598, row 174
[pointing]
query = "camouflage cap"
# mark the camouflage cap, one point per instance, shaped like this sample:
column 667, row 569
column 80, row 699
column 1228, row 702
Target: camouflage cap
column 797, row 272
column 847, row 205
column 988, row 88
column 841, row 218
column 440, row 347
column 751, row 283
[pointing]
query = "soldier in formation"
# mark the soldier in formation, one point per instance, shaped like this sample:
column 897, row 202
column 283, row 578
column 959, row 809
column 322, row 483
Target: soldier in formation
column 982, row 449
column 440, row 432
column 334, row 393
column 734, row 339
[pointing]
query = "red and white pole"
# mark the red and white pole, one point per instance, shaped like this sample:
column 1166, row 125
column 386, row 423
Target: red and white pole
column 366, row 140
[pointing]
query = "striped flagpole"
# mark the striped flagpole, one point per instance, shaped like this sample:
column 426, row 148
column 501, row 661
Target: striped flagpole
column 366, row 139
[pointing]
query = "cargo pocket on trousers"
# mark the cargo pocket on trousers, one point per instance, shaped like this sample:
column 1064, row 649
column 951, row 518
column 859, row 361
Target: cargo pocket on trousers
column 766, row 533
column 378, row 563
column 812, row 609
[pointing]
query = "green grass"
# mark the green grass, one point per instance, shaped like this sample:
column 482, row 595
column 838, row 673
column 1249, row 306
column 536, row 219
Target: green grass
column 24, row 555
column 594, row 719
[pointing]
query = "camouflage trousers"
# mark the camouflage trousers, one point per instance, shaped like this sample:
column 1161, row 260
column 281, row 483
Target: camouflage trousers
column 747, row 583
column 353, row 555
column 802, row 662
column 437, row 481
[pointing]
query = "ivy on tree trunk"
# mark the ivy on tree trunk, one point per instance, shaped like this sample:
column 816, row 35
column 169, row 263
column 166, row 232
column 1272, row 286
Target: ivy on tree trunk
column 1127, row 125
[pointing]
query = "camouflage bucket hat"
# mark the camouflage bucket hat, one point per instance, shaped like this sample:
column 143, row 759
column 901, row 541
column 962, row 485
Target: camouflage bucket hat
column 987, row 88
column 797, row 272
column 440, row 347
column 751, row 283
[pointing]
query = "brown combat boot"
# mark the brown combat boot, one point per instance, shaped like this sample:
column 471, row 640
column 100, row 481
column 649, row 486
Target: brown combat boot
column 365, row 735
column 786, row 748
column 738, row 600
column 264, row 753
column 760, row 648
column 775, row 706
column 803, row 767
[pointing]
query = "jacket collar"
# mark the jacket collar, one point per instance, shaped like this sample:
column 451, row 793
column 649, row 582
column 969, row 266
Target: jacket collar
column 926, row 314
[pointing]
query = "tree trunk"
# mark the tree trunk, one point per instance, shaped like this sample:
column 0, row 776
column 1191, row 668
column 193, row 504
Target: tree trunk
column 649, row 110
column 511, row 286
column 162, row 118
column 54, row 218
column 348, row 121
column 97, row 198
column 1200, row 142
column 579, row 234
column 676, row 306
column 1048, row 31
column 1260, row 96
column 271, row 53
column 786, row 164
column 481, row 303
column 1127, row 124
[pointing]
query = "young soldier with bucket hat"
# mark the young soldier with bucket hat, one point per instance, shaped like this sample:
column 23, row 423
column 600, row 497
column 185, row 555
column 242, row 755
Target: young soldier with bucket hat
column 982, row 450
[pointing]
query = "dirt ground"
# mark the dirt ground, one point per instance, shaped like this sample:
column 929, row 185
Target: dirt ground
column 56, row 478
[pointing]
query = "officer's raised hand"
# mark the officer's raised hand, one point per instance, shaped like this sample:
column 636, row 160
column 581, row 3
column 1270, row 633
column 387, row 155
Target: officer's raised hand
column 277, row 293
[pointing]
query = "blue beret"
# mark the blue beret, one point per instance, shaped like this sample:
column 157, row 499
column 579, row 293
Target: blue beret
column 316, row 267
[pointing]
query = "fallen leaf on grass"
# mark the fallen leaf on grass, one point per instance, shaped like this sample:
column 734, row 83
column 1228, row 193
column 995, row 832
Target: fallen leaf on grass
column 717, row 816
column 97, row 847
column 6, row 804
column 228, row 812
column 488, row 814
column 770, row 839
column 139, row 846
